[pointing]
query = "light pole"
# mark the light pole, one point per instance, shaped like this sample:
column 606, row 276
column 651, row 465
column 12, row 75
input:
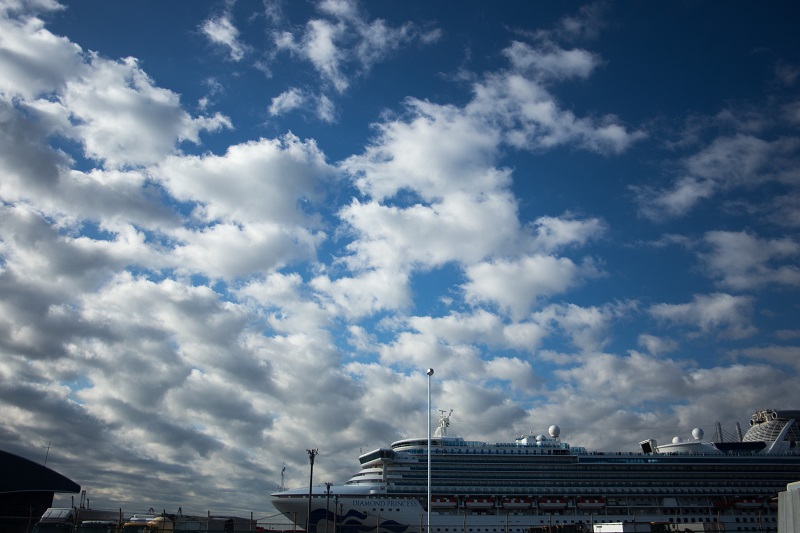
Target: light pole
column 327, row 503
column 430, row 373
column 311, row 454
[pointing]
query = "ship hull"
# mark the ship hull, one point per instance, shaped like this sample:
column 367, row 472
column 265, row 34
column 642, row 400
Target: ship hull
column 371, row 514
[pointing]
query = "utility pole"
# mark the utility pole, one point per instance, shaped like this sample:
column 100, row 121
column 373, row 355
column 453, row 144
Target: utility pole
column 311, row 454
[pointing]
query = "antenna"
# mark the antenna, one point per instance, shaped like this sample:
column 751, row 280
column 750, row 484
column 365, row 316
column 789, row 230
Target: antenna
column 47, row 453
column 283, row 473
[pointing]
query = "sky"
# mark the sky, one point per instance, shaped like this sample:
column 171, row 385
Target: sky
column 234, row 231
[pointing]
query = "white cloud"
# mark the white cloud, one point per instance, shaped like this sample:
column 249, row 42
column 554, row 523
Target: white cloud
column 656, row 345
column 256, row 205
column 743, row 160
column 123, row 119
column 285, row 303
column 319, row 47
column 295, row 98
column 33, row 61
column 517, row 286
column 221, row 31
column 439, row 161
column 345, row 43
column 788, row 356
column 481, row 327
column 551, row 62
column 718, row 314
column 743, row 261
column 682, row 197
column 234, row 303
column 727, row 163
column 532, row 119
column 287, row 101
column 585, row 24
column 326, row 110
column 266, row 180
column 588, row 328
column 438, row 150
column 430, row 236
column 553, row 233
column 518, row 373
column 364, row 294
column 631, row 380
column 229, row 250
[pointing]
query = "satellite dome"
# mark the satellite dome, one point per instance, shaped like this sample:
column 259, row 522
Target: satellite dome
column 676, row 440
column 697, row 433
column 539, row 438
column 554, row 431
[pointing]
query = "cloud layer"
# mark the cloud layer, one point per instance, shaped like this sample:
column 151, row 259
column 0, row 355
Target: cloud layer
column 197, row 294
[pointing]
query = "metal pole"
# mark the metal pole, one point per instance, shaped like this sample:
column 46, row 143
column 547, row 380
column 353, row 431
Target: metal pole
column 335, row 513
column 327, row 503
column 311, row 454
column 430, row 373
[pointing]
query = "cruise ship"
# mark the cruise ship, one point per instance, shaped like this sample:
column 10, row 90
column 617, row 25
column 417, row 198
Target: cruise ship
column 538, row 482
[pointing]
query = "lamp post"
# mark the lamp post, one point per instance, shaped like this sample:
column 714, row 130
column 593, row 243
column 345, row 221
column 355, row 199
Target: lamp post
column 311, row 454
column 327, row 503
column 430, row 373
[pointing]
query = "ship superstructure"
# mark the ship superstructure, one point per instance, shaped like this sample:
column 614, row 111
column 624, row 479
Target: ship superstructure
column 539, row 480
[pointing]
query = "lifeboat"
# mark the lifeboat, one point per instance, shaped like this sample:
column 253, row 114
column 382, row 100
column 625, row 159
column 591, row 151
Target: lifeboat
column 748, row 503
column 517, row 503
column 444, row 502
column 479, row 503
column 552, row 503
column 590, row 503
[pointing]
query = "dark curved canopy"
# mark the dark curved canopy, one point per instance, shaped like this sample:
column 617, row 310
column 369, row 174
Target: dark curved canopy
column 23, row 475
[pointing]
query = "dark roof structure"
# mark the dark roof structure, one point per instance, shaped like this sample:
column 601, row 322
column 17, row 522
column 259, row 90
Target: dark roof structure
column 26, row 491
column 24, row 475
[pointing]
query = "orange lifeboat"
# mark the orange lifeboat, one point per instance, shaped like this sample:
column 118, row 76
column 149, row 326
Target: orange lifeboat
column 552, row 503
column 444, row 502
column 517, row 503
column 479, row 502
column 590, row 503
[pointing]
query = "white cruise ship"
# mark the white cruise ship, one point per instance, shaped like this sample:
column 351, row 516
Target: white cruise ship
column 538, row 481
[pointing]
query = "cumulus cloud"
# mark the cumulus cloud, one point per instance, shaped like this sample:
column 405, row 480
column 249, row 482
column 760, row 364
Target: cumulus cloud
column 717, row 314
column 345, row 43
column 656, row 345
column 587, row 328
column 743, row 261
column 788, row 356
column 728, row 163
column 533, row 120
column 550, row 62
column 517, row 286
column 33, row 61
column 554, row 233
column 683, row 196
column 221, row 31
column 288, row 100
column 123, row 119
column 203, row 300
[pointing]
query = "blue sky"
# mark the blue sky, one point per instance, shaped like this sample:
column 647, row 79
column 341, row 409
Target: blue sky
column 232, row 231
